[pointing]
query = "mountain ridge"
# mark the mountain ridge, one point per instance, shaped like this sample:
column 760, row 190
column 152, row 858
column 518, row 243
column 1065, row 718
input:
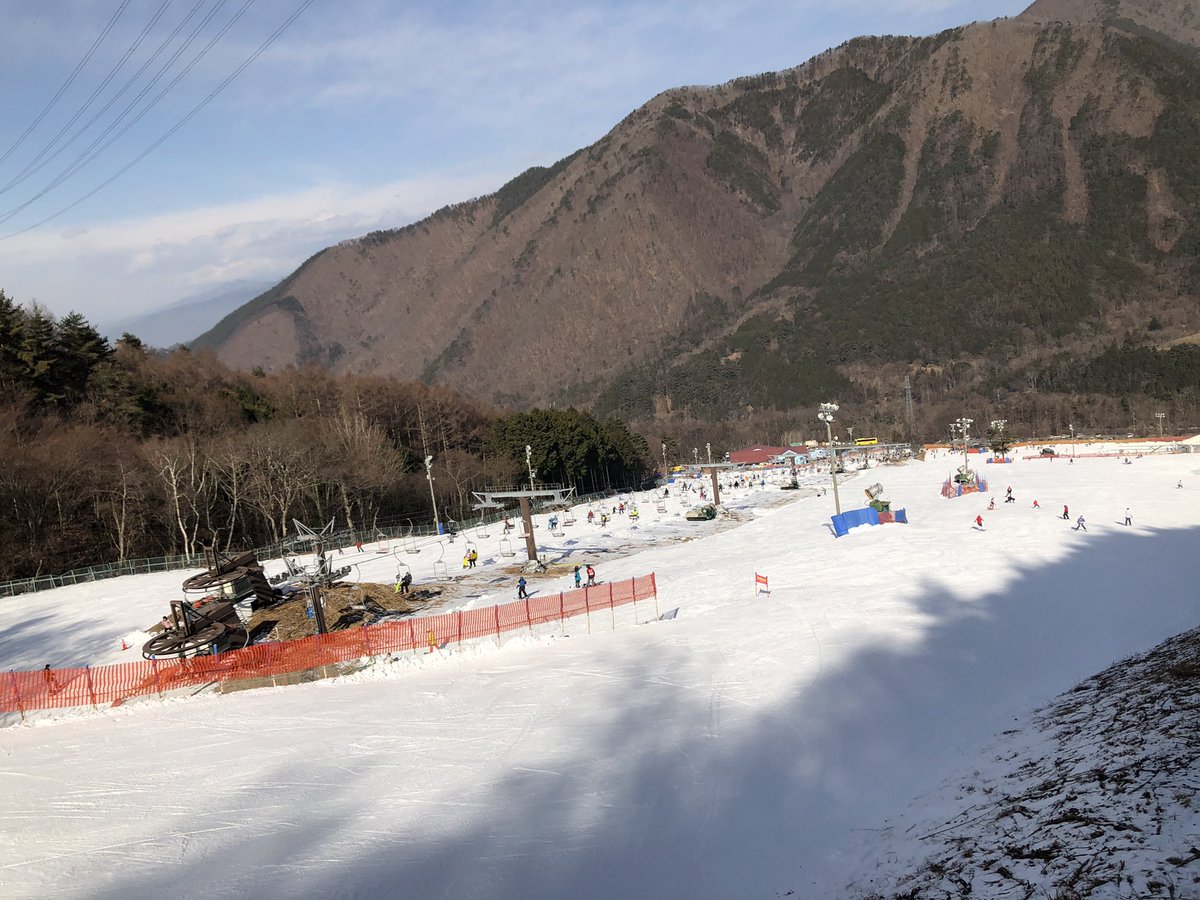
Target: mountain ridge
column 729, row 248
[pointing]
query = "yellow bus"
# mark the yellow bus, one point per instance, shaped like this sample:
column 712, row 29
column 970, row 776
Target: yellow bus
column 865, row 442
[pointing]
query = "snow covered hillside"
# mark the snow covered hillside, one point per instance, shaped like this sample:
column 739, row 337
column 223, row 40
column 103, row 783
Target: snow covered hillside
column 748, row 748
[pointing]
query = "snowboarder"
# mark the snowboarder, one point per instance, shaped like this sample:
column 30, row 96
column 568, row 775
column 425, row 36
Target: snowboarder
column 521, row 595
column 1065, row 515
column 358, row 546
column 1128, row 517
column 578, row 578
column 979, row 522
column 1180, row 484
column 591, row 575
column 1008, row 494
column 1010, row 498
column 1080, row 525
column 992, row 503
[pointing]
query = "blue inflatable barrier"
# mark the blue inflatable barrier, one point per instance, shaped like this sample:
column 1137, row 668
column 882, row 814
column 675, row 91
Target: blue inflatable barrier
column 852, row 518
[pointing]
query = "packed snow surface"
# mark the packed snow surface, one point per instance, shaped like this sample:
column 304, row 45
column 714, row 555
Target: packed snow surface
column 751, row 747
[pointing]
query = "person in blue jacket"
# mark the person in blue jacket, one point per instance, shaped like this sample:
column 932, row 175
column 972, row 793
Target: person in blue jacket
column 521, row 595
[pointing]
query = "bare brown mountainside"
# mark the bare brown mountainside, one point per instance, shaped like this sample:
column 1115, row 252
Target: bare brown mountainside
column 979, row 209
column 1176, row 19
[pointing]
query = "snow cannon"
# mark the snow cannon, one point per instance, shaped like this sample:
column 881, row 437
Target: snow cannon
column 876, row 500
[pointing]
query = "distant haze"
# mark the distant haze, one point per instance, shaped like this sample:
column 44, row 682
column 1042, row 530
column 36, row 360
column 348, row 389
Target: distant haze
column 189, row 317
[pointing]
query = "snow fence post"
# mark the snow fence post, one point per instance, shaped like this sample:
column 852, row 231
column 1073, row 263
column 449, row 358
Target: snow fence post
column 612, row 609
column 91, row 690
column 633, row 588
column 654, row 590
column 587, row 607
column 17, row 694
column 528, row 618
column 459, row 641
column 157, row 683
column 412, row 637
column 496, row 612
column 366, row 640
column 562, row 625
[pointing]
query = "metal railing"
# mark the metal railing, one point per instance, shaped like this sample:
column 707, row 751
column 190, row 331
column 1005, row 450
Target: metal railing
column 395, row 529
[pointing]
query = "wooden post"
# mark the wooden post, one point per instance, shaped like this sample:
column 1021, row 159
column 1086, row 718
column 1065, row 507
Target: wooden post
column 654, row 589
column 366, row 640
column 562, row 625
column 496, row 610
column 412, row 637
column 528, row 617
column 633, row 588
column 587, row 607
column 17, row 694
column 612, row 609
column 459, row 641
column 157, row 683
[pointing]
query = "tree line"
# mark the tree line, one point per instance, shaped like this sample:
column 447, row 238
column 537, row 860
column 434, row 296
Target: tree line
column 120, row 451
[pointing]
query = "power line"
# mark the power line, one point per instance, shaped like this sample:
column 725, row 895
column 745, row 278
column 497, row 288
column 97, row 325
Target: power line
column 32, row 166
column 90, row 153
column 66, row 84
column 174, row 128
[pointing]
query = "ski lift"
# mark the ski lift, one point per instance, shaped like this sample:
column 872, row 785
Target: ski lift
column 482, row 531
column 506, row 547
column 439, row 566
column 383, row 543
column 410, row 540
column 556, row 526
column 569, row 516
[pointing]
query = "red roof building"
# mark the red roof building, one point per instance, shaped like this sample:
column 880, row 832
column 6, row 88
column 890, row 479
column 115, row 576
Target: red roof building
column 754, row 455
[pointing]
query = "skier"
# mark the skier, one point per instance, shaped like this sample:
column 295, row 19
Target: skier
column 591, row 575
column 1080, row 525
column 1128, row 517
column 979, row 522
column 405, row 582
column 1008, row 494
column 48, row 677
column 591, row 517
column 992, row 503
column 521, row 595
column 1036, row 505
column 1180, row 484
column 358, row 546
column 578, row 578
column 1065, row 515
column 474, row 557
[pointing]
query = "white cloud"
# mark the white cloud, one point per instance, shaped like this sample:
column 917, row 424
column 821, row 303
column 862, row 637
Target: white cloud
column 114, row 269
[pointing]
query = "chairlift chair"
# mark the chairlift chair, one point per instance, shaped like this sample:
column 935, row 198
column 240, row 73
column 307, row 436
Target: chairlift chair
column 482, row 531
column 569, row 516
column 410, row 541
column 439, row 565
column 506, row 547
column 383, row 543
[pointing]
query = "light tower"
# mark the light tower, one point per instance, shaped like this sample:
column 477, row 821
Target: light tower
column 437, row 526
column 696, row 455
column 708, row 450
column 1160, row 416
column 664, row 452
column 826, row 416
column 529, row 465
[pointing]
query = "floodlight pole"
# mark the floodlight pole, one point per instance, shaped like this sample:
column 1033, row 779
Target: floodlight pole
column 664, row 452
column 964, row 426
column 1072, row 427
column 437, row 525
column 696, row 456
column 708, row 447
column 1160, row 416
column 529, row 465
column 826, row 416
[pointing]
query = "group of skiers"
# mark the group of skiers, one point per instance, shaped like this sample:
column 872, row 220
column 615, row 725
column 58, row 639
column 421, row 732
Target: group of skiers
column 1080, row 523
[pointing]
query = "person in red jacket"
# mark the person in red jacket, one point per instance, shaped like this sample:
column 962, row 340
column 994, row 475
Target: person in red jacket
column 979, row 522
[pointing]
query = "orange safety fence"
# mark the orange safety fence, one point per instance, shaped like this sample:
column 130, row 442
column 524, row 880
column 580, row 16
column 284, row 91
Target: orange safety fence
column 21, row 692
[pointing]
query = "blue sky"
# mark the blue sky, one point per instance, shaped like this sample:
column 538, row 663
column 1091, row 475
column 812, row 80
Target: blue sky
column 362, row 114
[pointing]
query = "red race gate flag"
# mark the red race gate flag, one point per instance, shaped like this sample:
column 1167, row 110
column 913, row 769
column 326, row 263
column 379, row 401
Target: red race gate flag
column 760, row 585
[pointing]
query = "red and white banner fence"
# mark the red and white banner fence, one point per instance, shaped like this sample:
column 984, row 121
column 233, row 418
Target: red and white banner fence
column 21, row 692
